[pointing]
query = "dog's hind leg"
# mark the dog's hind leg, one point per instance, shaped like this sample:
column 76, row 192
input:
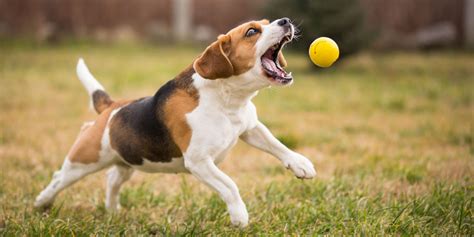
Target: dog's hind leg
column 116, row 176
column 65, row 177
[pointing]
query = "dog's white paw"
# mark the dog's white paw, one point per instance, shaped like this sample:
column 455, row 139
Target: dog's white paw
column 113, row 208
column 238, row 215
column 42, row 201
column 301, row 166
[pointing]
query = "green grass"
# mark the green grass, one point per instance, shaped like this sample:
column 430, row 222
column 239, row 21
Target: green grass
column 391, row 136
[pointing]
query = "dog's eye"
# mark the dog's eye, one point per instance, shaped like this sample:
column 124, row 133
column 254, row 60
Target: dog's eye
column 251, row 31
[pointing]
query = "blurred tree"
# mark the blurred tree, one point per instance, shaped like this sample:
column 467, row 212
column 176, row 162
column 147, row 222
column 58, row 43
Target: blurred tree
column 341, row 20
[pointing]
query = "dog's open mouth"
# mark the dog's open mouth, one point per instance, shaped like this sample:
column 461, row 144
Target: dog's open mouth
column 271, row 66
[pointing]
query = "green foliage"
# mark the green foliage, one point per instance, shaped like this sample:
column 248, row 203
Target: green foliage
column 341, row 20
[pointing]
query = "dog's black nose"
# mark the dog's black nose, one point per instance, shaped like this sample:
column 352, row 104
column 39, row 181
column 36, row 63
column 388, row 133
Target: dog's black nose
column 283, row 21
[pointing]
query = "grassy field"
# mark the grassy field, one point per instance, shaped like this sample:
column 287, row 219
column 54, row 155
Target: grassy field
column 391, row 136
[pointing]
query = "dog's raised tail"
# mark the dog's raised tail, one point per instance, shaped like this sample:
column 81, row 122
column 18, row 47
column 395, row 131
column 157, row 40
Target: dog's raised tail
column 100, row 100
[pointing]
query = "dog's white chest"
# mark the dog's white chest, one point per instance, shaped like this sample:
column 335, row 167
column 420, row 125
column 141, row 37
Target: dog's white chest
column 239, row 120
column 216, row 127
column 238, row 123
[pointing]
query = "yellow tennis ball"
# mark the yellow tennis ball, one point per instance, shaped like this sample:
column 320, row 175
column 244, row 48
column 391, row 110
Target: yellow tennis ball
column 323, row 52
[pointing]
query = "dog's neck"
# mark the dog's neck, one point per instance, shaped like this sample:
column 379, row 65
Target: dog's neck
column 231, row 93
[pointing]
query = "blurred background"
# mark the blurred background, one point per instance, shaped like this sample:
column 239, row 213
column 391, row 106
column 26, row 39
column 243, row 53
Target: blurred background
column 389, row 127
column 388, row 24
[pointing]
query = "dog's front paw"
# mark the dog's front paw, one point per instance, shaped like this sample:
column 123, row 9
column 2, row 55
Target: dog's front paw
column 301, row 166
column 239, row 216
column 43, row 202
column 113, row 208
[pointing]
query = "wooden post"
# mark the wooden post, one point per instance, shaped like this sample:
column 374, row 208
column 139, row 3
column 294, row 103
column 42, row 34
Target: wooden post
column 469, row 23
column 182, row 16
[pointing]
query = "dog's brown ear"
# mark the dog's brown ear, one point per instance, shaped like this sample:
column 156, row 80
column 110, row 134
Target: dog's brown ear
column 281, row 60
column 214, row 63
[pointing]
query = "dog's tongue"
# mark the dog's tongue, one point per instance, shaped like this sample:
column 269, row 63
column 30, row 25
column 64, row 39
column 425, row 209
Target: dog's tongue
column 269, row 64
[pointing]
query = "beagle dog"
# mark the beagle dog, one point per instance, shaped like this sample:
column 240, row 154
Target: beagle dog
column 191, row 122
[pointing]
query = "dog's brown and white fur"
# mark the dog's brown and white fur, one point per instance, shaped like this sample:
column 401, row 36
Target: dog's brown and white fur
column 191, row 123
